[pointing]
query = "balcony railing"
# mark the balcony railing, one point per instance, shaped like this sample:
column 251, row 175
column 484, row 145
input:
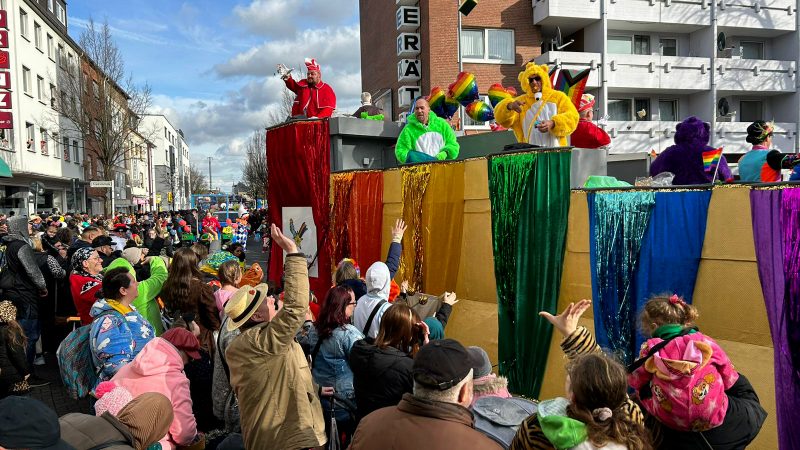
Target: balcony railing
column 644, row 136
column 756, row 75
column 776, row 15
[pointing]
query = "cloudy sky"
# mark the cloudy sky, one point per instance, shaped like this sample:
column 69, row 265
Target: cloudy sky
column 211, row 64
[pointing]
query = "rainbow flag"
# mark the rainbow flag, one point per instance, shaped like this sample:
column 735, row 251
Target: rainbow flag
column 711, row 159
column 571, row 82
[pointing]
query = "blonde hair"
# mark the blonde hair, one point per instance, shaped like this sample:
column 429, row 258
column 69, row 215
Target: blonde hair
column 345, row 271
column 664, row 309
column 230, row 272
column 36, row 243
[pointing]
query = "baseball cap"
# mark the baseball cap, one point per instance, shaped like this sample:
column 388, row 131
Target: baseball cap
column 28, row 423
column 100, row 241
column 184, row 340
column 443, row 364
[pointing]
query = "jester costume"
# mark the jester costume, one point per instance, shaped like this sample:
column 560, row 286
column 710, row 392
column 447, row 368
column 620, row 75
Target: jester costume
column 316, row 100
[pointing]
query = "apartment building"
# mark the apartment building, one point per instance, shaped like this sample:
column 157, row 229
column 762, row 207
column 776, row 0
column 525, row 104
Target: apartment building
column 44, row 153
column 170, row 163
column 411, row 46
column 655, row 62
column 139, row 166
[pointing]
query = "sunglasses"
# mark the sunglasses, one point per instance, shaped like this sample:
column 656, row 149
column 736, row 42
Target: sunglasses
column 536, row 78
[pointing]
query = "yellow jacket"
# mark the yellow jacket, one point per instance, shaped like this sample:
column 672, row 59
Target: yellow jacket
column 555, row 106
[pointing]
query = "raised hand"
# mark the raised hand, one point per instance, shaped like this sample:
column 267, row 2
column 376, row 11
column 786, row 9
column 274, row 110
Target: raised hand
column 398, row 230
column 450, row 298
column 567, row 321
column 286, row 243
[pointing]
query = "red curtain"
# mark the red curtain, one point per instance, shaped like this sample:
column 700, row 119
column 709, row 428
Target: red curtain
column 298, row 164
column 356, row 217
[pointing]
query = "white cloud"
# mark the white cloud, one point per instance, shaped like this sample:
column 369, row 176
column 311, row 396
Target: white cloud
column 278, row 18
column 333, row 48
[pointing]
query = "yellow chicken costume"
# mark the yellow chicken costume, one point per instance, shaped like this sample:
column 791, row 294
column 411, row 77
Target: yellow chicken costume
column 554, row 105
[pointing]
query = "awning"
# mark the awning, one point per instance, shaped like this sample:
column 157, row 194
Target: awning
column 5, row 171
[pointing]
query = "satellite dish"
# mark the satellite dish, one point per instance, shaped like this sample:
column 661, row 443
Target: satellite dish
column 557, row 43
column 723, row 108
column 721, row 41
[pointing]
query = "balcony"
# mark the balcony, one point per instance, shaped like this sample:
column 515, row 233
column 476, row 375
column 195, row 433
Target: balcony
column 756, row 75
column 687, row 15
column 639, row 73
column 765, row 17
column 643, row 136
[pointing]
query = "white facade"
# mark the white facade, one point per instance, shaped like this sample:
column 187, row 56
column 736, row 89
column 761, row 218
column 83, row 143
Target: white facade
column 170, row 162
column 661, row 56
column 41, row 147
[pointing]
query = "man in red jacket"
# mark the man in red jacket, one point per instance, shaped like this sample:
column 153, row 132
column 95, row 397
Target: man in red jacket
column 313, row 97
column 587, row 134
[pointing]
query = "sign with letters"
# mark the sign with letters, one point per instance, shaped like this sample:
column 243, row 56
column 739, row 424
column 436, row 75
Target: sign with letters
column 407, row 94
column 5, row 100
column 409, row 46
column 408, row 70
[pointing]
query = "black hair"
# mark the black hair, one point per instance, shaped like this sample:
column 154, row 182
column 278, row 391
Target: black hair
column 114, row 280
column 758, row 132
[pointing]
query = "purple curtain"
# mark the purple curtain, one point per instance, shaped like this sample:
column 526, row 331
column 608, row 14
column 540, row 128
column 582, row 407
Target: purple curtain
column 776, row 231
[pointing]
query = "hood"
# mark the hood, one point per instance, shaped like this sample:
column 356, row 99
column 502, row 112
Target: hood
column 692, row 133
column 100, row 306
column 563, row 432
column 18, row 229
column 532, row 69
column 491, row 385
column 680, row 359
column 157, row 357
column 378, row 280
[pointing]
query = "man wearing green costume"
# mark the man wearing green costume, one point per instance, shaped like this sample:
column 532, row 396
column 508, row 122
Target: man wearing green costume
column 426, row 137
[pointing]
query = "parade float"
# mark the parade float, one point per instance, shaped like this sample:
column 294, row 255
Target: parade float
column 506, row 232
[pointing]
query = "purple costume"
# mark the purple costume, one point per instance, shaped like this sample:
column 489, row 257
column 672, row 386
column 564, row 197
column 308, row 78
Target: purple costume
column 685, row 158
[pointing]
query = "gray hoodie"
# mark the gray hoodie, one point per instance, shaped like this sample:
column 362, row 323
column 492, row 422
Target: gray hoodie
column 18, row 231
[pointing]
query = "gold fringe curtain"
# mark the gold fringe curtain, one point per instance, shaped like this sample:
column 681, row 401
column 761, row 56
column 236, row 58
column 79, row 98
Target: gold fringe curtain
column 414, row 181
column 341, row 186
column 443, row 225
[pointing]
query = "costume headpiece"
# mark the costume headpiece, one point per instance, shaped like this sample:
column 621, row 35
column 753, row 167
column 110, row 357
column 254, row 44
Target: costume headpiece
column 311, row 64
column 587, row 102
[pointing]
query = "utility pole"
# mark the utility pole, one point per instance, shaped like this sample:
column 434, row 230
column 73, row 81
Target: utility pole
column 210, row 184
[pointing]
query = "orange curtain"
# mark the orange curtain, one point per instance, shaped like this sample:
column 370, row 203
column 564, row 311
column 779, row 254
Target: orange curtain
column 356, row 214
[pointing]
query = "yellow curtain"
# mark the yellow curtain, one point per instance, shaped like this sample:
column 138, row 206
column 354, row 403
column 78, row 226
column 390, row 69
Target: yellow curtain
column 443, row 224
column 414, row 180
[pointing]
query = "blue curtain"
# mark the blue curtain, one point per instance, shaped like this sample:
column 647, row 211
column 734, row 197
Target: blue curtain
column 617, row 223
column 671, row 248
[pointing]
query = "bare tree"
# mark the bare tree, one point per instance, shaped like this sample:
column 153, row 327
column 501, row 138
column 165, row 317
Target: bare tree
column 284, row 110
column 254, row 169
column 99, row 100
column 197, row 181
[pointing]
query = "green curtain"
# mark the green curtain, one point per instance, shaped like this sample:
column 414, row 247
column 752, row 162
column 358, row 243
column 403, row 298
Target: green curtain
column 529, row 193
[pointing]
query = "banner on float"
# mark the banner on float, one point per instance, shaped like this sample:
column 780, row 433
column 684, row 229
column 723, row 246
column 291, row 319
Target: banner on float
column 298, row 224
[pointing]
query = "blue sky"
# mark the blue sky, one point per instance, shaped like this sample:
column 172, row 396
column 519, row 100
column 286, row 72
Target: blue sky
column 211, row 64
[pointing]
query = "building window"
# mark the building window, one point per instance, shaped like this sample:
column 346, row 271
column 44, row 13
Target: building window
column 30, row 137
column 37, row 35
column 752, row 50
column 668, row 110
column 26, row 80
column 60, row 13
column 40, row 88
column 6, row 138
column 489, row 45
column 620, row 109
column 75, row 149
column 56, row 146
column 751, row 110
column 641, row 109
column 61, row 59
column 629, row 45
column 50, row 5
column 669, row 47
column 50, row 47
column 98, row 130
column 70, row 64
column 96, row 89
column 23, row 23
column 53, row 95
column 43, row 144
column 65, row 144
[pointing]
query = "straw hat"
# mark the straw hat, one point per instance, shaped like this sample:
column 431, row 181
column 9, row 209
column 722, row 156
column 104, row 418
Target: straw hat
column 244, row 303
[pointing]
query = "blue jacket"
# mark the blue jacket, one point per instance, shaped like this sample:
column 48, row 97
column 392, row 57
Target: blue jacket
column 331, row 366
column 116, row 338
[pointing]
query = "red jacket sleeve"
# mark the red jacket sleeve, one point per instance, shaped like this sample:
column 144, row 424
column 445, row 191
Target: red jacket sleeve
column 327, row 101
column 291, row 84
